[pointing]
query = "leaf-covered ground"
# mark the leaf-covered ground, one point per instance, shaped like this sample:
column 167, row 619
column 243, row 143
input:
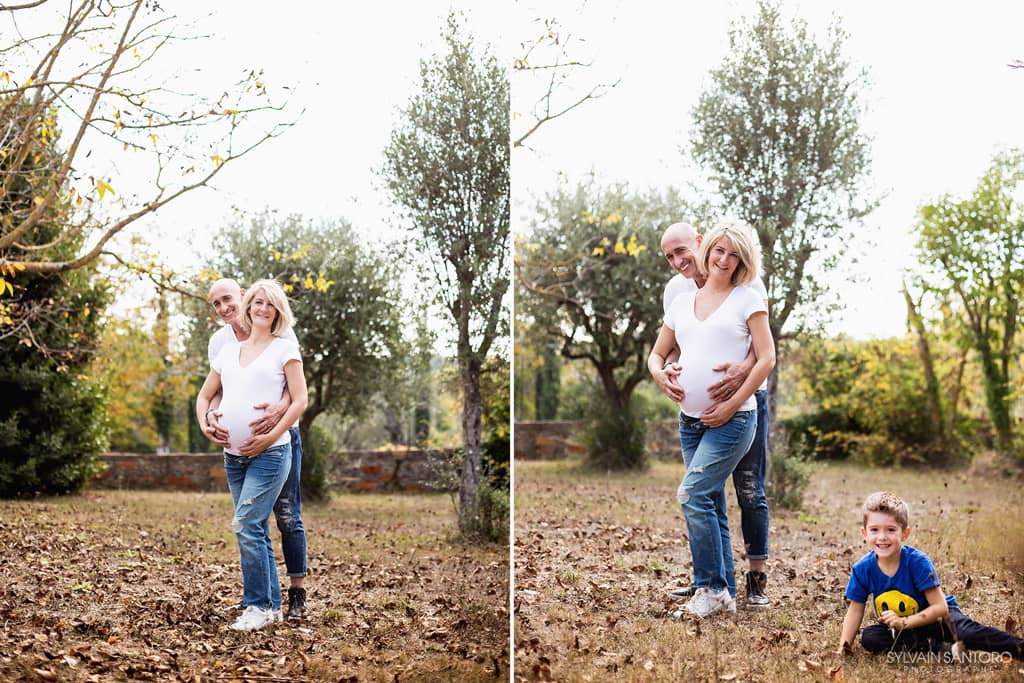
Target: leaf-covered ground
column 596, row 556
column 131, row 585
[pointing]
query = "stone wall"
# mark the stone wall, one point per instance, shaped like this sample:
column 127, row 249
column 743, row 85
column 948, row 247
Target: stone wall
column 547, row 440
column 554, row 440
column 411, row 470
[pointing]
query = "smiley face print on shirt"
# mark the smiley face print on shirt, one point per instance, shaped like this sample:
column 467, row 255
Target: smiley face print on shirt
column 900, row 603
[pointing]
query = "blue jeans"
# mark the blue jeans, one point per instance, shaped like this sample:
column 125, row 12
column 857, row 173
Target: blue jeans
column 711, row 455
column 748, row 480
column 879, row 638
column 288, row 512
column 255, row 484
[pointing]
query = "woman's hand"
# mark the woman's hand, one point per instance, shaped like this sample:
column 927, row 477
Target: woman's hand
column 718, row 414
column 255, row 445
column 213, row 431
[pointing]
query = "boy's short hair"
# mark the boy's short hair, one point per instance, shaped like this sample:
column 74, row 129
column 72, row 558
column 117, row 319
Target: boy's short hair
column 890, row 504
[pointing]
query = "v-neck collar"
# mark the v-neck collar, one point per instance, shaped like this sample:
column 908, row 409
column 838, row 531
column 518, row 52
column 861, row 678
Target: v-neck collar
column 245, row 367
column 712, row 313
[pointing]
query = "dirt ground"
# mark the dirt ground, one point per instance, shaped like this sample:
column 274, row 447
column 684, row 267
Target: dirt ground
column 127, row 585
column 596, row 556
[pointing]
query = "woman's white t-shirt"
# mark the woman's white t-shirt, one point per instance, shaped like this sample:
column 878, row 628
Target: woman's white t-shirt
column 262, row 381
column 723, row 337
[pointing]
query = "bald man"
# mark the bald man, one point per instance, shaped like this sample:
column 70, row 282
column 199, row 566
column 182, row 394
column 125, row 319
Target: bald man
column 226, row 298
column 680, row 244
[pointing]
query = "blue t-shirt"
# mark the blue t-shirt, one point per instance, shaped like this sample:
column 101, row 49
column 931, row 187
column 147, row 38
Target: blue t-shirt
column 903, row 592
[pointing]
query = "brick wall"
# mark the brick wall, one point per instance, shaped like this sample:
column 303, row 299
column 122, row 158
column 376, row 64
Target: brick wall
column 411, row 470
column 547, row 440
column 554, row 440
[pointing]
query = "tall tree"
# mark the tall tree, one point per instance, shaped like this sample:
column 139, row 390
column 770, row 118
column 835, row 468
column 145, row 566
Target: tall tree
column 973, row 250
column 778, row 130
column 91, row 65
column 52, row 424
column 591, row 276
column 447, row 168
column 344, row 296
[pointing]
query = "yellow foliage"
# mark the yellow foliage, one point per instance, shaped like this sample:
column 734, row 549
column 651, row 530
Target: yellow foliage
column 102, row 187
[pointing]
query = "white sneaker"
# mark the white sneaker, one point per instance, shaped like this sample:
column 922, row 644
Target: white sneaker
column 706, row 602
column 278, row 616
column 254, row 618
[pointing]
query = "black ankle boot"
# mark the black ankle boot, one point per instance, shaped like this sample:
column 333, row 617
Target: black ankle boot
column 296, row 604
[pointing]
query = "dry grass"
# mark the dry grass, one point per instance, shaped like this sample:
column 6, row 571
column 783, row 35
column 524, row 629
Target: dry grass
column 134, row 585
column 597, row 555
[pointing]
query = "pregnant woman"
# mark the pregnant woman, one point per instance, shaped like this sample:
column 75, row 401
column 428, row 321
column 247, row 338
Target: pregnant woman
column 714, row 325
column 250, row 373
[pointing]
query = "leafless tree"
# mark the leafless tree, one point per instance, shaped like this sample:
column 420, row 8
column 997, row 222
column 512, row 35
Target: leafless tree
column 550, row 59
column 93, row 82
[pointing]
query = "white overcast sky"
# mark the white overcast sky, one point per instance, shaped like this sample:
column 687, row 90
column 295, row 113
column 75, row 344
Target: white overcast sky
column 351, row 66
column 941, row 103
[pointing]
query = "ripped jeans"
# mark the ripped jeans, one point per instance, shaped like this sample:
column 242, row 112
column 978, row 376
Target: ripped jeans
column 748, row 480
column 710, row 455
column 288, row 512
column 255, row 484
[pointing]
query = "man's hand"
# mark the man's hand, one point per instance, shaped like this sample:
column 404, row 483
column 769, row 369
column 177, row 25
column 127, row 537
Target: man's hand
column 255, row 445
column 213, row 431
column 844, row 649
column 666, row 379
column 723, row 389
column 271, row 416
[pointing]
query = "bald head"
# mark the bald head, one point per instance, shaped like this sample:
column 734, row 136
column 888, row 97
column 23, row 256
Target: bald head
column 680, row 244
column 226, row 299
column 678, row 231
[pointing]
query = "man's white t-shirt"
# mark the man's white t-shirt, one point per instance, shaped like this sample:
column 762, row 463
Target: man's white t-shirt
column 682, row 285
column 261, row 381
column 723, row 337
column 225, row 336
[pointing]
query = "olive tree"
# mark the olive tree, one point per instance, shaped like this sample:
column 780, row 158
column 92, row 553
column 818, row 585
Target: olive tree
column 447, row 170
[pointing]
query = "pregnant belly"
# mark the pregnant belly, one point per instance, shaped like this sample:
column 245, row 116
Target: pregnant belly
column 236, row 420
column 695, row 383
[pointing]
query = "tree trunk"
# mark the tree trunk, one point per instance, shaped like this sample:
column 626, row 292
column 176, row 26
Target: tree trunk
column 954, row 395
column 931, row 380
column 996, row 399
column 471, row 461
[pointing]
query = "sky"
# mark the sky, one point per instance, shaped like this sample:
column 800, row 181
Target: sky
column 941, row 102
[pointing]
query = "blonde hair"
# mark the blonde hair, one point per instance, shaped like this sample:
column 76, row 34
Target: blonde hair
column 887, row 503
column 746, row 244
column 283, row 319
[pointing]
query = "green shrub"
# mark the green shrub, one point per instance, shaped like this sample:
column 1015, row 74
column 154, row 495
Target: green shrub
column 493, row 514
column 317, row 447
column 614, row 438
column 788, row 476
column 53, row 429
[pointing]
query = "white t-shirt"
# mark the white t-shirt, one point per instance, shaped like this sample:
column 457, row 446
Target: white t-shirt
column 724, row 337
column 681, row 285
column 226, row 335
column 262, row 381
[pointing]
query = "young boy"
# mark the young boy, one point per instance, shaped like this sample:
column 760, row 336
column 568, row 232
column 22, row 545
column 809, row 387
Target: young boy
column 907, row 594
